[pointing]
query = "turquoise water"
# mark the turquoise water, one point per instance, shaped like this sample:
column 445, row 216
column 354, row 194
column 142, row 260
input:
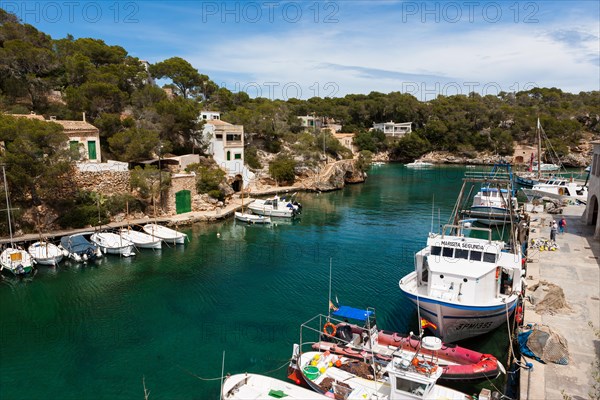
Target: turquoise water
column 96, row 331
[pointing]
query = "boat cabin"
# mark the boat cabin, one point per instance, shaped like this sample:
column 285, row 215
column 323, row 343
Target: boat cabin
column 461, row 269
column 407, row 383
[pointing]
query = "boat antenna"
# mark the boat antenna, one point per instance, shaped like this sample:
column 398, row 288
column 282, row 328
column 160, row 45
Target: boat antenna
column 329, row 300
column 432, row 211
column 222, row 375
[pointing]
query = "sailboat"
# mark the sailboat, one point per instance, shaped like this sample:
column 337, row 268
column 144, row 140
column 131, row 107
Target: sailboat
column 14, row 259
column 249, row 217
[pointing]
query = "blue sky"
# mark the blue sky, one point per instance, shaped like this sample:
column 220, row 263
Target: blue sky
column 280, row 49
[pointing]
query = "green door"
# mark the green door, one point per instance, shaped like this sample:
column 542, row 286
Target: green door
column 183, row 201
column 92, row 150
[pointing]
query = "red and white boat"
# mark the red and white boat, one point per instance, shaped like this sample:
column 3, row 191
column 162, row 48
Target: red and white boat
column 457, row 363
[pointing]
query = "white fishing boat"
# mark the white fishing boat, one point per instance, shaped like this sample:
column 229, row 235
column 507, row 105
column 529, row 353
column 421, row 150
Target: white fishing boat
column 558, row 188
column 13, row 258
column 141, row 240
column 252, row 218
column 112, row 243
column 167, row 235
column 276, row 207
column 16, row 260
column 79, row 249
column 254, row 386
column 412, row 377
column 46, row 253
column 464, row 286
column 491, row 206
column 419, row 164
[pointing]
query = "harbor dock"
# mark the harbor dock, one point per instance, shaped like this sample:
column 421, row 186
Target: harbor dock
column 574, row 267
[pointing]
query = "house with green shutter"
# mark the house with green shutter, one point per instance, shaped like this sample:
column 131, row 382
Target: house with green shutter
column 84, row 138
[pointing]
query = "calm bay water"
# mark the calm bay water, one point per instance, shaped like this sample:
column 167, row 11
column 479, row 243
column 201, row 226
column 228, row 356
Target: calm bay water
column 95, row 331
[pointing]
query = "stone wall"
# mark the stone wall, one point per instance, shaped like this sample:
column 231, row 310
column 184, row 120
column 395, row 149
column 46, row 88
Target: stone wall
column 106, row 182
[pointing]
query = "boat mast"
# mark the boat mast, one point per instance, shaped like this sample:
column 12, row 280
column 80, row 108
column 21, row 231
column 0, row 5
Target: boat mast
column 7, row 204
column 539, row 152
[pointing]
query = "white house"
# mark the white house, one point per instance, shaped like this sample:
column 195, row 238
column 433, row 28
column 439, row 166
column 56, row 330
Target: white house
column 310, row 122
column 226, row 145
column 394, row 129
column 591, row 212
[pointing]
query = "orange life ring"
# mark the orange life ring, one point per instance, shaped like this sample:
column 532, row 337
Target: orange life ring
column 333, row 329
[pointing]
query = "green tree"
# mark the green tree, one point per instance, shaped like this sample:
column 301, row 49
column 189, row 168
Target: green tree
column 282, row 169
column 36, row 158
column 410, row 147
column 182, row 74
column 134, row 144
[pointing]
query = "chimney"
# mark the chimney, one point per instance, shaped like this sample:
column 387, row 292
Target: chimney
column 84, row 116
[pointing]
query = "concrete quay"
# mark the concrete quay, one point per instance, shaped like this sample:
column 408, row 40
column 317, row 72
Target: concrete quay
column 575, row 268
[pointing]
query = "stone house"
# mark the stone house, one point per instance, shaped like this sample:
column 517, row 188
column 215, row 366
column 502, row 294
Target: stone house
column 347, row 140
column 523, row 153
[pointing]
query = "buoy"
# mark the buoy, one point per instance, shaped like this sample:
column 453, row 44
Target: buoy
column 218, row 235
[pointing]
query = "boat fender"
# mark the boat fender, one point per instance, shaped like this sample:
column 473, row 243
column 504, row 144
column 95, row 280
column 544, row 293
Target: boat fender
column 333, row 329
column 497, row 272
column 519, row 315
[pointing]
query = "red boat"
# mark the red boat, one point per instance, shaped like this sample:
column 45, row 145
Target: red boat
column 366, row 342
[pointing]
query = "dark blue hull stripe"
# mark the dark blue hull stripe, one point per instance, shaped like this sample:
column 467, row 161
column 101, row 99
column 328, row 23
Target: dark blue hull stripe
column 456, row 306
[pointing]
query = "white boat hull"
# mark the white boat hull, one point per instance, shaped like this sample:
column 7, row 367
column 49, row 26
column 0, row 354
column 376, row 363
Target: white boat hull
column 501, row 215
column 457, row 321
column 142, row 240
column 17, row 261
column 253, row 386
column 46, row 253
column 167, row 235
column 110, row 243
column 252, row 218
column 270, row 212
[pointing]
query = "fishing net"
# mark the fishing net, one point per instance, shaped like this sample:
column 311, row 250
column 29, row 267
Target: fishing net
column 546, row 345
column 549, row 298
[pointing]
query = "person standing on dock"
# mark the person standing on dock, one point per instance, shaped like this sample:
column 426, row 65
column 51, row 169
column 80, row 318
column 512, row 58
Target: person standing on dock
column 562, row 224
column 553, row 230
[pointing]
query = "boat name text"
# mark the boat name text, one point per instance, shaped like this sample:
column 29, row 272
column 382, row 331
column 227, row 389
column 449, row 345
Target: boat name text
column 463, row 245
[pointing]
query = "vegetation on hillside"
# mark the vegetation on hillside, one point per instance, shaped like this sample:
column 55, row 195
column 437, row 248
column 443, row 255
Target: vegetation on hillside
column 138, row 120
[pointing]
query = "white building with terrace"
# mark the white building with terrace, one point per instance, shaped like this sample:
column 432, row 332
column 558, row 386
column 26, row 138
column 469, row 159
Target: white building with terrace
column 394, row 129
column 226, row 146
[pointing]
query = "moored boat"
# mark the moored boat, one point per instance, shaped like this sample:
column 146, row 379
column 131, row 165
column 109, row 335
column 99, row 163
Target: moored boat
column 80, row 249
column 491, row 206
column 366, row 341
column 557, row 188
column 419, row 164
column 276, row 207
column 254, row 386
column 16, row 260
column 412, row 377
column 167, row 235
column 252, row 218
column 141, row 240
column 111, row 243
column 46, row 253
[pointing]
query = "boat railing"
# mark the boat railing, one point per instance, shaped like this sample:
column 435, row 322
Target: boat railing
column 461, row 227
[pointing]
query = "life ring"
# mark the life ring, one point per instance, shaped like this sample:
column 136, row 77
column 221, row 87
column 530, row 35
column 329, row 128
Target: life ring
column 333, row 329
column 561, row 191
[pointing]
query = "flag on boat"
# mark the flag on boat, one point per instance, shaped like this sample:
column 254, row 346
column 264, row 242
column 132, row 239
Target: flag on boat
column 332, row 306
column 427, row 324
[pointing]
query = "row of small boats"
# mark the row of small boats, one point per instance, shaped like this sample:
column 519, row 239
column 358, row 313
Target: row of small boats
column 84, row 247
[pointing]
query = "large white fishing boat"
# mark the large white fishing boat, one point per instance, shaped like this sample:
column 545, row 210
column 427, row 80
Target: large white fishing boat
column 557, row 188
column 464, row 286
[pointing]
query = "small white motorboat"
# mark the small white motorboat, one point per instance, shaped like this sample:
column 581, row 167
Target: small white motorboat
column 16, row 260
column 276, row 207
column 252, row 218
column 141, row 239
column 419, row 164
column 112, row 243
column 167, row 235
column 46, row 253
column 254, row 386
